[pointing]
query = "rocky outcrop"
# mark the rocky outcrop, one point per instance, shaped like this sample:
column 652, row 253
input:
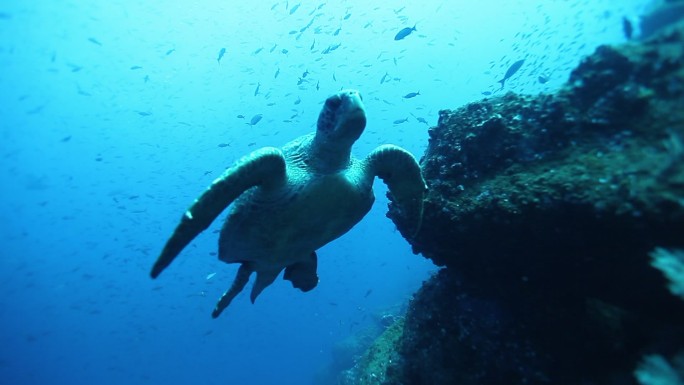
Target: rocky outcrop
column 544, row 210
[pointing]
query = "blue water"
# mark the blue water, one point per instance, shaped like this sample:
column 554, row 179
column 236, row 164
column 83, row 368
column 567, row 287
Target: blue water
column 115, row 115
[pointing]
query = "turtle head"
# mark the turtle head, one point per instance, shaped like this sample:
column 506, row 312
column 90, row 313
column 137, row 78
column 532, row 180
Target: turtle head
column 342, row 119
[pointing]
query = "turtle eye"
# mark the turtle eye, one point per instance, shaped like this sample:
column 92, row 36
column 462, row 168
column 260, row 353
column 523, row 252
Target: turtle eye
column 333, row 102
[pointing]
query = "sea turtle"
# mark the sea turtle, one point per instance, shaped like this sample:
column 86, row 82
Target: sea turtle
column 289, row 202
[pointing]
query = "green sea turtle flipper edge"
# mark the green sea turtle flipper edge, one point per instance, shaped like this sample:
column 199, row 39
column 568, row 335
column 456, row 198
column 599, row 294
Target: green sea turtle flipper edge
column 263, row 167
column 401, row 172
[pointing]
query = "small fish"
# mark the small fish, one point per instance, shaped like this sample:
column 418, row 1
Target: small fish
column 146, row 78
column 334, row 78
column 337, row 31
column 368, row 293
column 347, row 16
column 273, row 48
column 404, row 32
column 511, row 71
column 240, row 116
column 210, row 276
column 312, row 45
column 136, row 67
column 276, row 73
column 94, row 41
column 384, row 78
column 411, row 95
column 400, row 121
column 256, row 91
column 144, row 113
column 305, row 74
column 299, row 100
column 543, row 79
column 257, row 50
column 169, row 52
column 255, row 119
column 627, row 28
column 220, row 55
column 307, row 26
column 486, row 93
column 331, row 48
column 421, row 120
column 66, row 139
column 224, row 145
column 284, row 51
column 295, row 8
column 81, row 91
column 318, row 85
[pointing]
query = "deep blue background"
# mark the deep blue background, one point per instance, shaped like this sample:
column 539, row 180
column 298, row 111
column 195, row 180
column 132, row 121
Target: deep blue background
column 100, row 159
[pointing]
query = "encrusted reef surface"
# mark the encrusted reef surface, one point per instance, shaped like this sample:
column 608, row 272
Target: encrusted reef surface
column 546, row 211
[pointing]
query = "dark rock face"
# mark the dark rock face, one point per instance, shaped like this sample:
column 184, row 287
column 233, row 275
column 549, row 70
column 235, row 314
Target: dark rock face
column 544, row 210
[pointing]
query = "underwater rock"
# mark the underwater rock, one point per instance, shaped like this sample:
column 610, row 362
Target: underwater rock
column 368, row 350
column 544, row 210
column 381, row 363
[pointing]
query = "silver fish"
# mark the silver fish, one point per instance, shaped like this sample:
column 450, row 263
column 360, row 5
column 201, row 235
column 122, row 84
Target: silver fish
column 404, row 32
column 220, row 55
column 255, row 119
column 511, row 71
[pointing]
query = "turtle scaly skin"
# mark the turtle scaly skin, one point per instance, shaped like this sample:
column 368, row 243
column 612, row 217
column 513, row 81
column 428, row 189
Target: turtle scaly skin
column 287, row 203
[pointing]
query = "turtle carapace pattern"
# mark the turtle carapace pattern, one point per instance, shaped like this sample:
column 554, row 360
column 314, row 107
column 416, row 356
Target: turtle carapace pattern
column 288, row 202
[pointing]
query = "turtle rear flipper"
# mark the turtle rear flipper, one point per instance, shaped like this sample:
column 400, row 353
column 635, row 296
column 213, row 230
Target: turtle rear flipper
column 264, row 279
column 239, row 283
column 264, row 167
column 401, row 173
column 303, row 274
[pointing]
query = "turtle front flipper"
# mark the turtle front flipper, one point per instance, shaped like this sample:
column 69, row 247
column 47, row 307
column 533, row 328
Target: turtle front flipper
column 401, row 173
column 264, row 167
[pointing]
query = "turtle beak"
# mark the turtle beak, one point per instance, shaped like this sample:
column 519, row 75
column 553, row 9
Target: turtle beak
column 351, row 115
column 343, row 118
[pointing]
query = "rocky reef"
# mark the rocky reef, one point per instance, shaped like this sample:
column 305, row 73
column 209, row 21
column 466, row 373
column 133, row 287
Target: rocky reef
column 546, row 211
